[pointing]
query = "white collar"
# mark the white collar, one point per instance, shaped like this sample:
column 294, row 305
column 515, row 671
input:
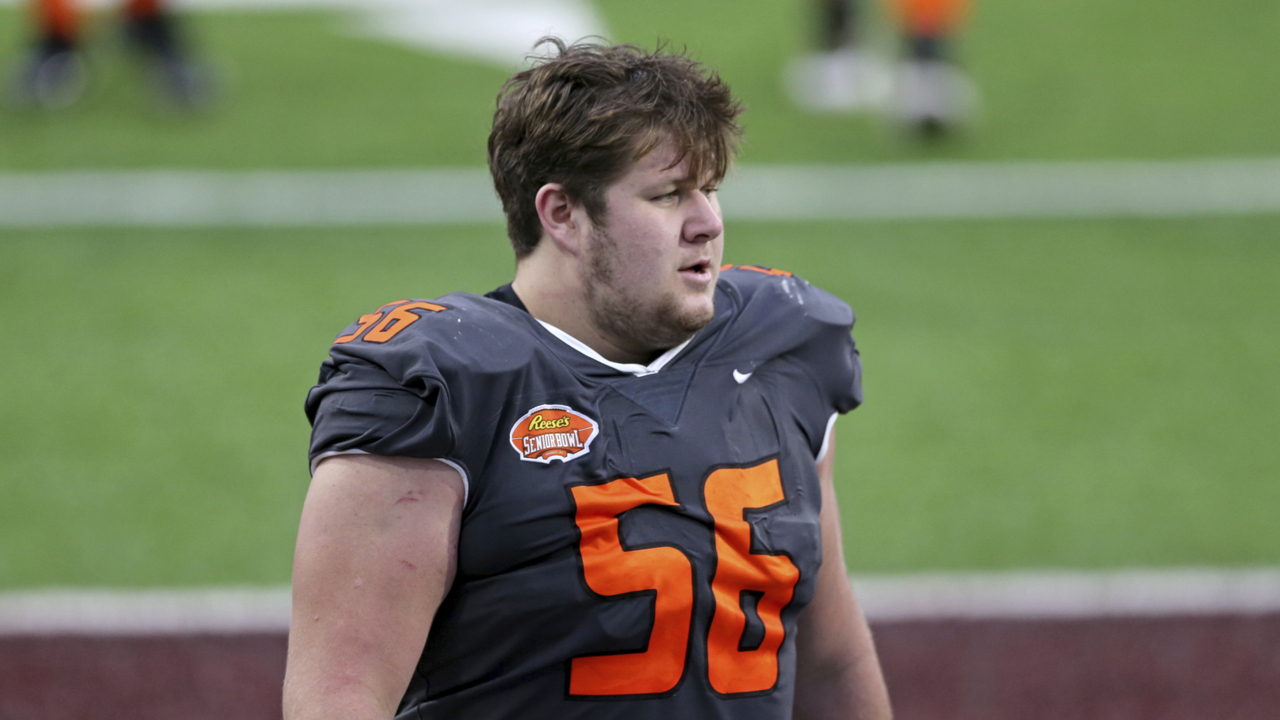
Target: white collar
column 634, row 368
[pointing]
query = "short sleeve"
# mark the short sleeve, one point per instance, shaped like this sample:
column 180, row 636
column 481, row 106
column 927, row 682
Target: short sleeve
column 835, row 365
column 359, row 406
column 832, row 385
column 809, row 331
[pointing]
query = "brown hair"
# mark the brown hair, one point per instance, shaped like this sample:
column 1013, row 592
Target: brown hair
column 582, row 116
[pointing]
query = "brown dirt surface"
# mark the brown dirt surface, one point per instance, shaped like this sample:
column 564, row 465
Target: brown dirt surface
column 199, row 677
column 1172, row 668
column 1169, row 668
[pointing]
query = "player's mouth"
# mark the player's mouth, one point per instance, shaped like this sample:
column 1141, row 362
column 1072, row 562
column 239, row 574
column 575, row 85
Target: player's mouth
column 697, row 272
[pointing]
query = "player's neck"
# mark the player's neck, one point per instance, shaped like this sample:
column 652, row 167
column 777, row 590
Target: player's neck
column 551, row 291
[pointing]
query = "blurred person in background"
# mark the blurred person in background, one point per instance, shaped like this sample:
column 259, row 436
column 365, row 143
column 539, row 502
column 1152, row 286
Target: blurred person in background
column 926, row 90
column 54, row 74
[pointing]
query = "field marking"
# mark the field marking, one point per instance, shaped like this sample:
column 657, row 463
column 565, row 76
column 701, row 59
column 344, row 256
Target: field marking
column 980, row 190
column 1068, row 594
column 177, row 198
column 983, row 190
column 1042, row 595
column 144, row 612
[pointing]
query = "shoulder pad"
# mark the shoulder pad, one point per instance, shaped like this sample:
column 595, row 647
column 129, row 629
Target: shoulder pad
column 778, row 315
column 388, row 321
column 767, row 293
column 408, row 337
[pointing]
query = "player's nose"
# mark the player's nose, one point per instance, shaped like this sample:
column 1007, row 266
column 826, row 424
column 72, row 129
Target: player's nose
column 704, row 222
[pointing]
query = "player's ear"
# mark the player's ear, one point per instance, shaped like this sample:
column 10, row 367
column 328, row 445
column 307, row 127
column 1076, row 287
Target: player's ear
column 561, row 217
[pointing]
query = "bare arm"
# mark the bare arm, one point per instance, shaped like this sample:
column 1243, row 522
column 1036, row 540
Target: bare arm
column 376, row 553
column 837, row 672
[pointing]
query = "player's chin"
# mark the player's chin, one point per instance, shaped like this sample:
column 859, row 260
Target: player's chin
column 697, row 310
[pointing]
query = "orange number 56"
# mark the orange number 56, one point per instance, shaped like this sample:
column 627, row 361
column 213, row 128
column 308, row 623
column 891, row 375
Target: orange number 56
column 667, row 574
column 386, row 325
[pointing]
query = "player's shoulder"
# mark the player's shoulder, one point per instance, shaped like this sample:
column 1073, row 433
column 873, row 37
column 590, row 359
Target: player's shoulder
column 437, row 320
column 460, row 330
column 772, row 314
column 763, row 294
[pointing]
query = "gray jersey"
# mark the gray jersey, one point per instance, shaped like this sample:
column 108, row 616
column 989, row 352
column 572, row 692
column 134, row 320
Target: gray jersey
column 636, row 541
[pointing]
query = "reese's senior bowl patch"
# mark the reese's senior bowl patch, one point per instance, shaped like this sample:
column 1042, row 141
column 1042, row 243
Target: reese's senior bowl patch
column 553, row 432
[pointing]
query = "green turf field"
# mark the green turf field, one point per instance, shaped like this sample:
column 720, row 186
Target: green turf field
column 1087, row 393
column 1061, row 79
column 1076, row 394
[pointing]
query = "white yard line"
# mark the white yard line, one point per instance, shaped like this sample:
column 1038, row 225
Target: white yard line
column 884, row 598
column 144, row 612
column 251, row 199
column 1067, row 594
column 178, row 198
column 1179, row 188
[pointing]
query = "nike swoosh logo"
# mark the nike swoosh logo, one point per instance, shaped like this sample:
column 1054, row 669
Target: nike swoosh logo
column 740, row 377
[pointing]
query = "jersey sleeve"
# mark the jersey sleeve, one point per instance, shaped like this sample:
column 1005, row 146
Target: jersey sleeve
column 831, row 361
column 830, row 354
column 809, row 331
column 383, row 399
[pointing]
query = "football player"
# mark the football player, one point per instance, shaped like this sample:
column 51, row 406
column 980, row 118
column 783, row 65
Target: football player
column 927, row 91
column 54, row 74
column 934, row 95
column 604, row 489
